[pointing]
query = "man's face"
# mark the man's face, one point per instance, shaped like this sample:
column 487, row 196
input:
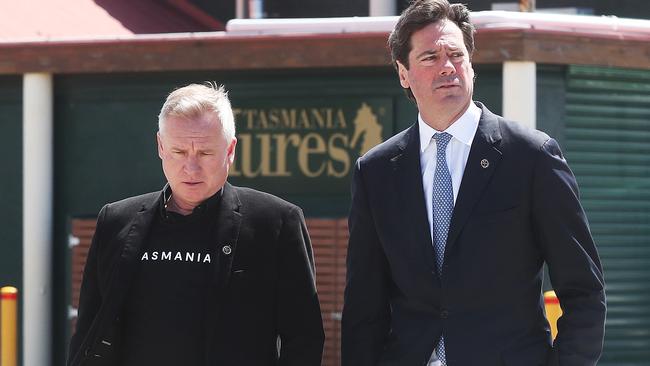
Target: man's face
column 440, row 73
column 196, row 157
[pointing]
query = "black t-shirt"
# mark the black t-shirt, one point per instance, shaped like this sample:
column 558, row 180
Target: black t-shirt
column 164, row 312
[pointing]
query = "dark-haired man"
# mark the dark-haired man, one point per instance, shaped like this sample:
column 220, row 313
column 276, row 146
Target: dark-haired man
column 453, row 219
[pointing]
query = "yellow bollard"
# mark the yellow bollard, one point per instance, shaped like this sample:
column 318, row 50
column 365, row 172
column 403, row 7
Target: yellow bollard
column 8, row 321
column 553, row 310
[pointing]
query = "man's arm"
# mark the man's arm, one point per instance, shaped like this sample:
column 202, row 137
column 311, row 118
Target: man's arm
column 89, row 297
column 300, row 325
column 574, row 267
column 366, row 311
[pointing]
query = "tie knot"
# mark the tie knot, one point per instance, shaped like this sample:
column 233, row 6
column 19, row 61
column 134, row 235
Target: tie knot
column 442, row 139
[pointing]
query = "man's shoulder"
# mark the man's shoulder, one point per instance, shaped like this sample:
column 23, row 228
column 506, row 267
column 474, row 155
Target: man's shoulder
column 115, row 215
column 514, row 135
column 135, row 203
column 522, row 141
column 389, row 148
column 518, row 132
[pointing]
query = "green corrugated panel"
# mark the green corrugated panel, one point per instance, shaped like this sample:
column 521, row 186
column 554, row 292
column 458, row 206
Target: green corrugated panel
column 606, row 122
column 587, row 74
column 608, row 147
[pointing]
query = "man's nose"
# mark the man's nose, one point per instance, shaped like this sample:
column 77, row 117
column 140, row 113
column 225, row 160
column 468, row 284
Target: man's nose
column 448, row 67
column 191, row 164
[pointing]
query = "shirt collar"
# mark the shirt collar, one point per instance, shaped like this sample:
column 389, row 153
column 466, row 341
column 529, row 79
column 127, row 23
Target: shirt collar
column 463, row 129
column 208, row 205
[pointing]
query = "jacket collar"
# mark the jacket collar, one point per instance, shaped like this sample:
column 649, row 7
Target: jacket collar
column 133, row 235
column 408, row 199
column 408, row 182
column 484, row 158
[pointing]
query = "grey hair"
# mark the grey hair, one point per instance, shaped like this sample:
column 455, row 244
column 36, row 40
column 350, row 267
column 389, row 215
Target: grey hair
column 194, row 100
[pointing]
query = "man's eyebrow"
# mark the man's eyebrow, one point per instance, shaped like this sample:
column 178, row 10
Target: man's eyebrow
column 427, row 53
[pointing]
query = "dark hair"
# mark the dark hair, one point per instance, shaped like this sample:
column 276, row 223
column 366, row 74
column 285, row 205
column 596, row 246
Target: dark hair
column 419, row 14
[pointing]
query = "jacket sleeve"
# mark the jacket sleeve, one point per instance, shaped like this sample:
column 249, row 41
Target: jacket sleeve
column 89, row 297
column 366, row 309
column 574, row 266
column 300, row 325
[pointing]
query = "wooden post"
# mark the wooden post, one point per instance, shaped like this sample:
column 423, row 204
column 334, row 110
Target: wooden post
column 9, row 321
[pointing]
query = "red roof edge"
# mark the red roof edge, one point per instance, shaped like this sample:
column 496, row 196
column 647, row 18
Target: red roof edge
column 197, row 14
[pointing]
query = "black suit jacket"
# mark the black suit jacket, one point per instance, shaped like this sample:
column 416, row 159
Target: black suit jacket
column 510, row 217
column 264, row 288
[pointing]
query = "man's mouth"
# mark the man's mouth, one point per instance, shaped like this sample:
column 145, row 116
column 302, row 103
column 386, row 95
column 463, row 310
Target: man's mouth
column 448, row 86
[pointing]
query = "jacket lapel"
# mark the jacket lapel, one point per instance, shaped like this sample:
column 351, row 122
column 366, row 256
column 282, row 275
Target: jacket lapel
column 409, row 198
column 133, row 236
column 228, row 222
column 484, row 157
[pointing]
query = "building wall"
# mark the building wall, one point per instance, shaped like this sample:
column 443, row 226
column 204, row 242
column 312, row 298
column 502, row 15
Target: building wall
column 621, row 8
column 551, row 100
column 316, row 8
column 11, row 221
column 11, row 188
column 608, row 146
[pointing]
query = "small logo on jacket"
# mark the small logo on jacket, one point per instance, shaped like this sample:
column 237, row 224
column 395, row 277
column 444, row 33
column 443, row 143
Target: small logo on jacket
column 172, row 256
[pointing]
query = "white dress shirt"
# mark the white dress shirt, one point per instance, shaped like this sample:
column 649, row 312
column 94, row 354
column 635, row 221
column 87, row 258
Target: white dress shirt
column 463, row 131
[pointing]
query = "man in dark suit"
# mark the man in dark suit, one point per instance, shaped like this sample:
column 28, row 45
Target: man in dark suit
column 202, row 272
column 452, row 221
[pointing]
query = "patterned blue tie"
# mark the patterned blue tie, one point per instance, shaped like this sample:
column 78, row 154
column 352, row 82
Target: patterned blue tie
column 443, row 206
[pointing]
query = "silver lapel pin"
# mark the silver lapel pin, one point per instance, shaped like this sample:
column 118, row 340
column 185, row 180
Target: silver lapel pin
column 485, row 163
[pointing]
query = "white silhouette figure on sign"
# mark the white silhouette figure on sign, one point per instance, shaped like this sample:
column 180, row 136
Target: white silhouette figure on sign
column 366, row 124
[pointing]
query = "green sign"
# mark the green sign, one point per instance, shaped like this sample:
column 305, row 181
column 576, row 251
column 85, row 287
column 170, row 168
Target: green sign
column 306, row 141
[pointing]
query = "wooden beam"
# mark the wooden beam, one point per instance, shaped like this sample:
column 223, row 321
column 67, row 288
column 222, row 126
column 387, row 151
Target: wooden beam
column 196, row 53
column 493, row 47
column 548, row 47
column 219, row 51
column 581, row 49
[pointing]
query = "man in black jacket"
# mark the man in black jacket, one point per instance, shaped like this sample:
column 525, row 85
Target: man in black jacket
column 202, row 272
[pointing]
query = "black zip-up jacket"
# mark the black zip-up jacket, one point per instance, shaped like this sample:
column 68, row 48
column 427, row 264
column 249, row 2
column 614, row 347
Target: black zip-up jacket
column 263, row 309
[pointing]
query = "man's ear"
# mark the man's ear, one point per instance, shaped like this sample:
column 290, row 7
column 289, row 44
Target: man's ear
column 160, row 145
column 231, row 150
column 402, row 71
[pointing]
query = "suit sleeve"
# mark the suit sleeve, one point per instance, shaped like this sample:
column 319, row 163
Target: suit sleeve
column 89, row 297
column 300, row 325
column 366, row 310
column 570, row 253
